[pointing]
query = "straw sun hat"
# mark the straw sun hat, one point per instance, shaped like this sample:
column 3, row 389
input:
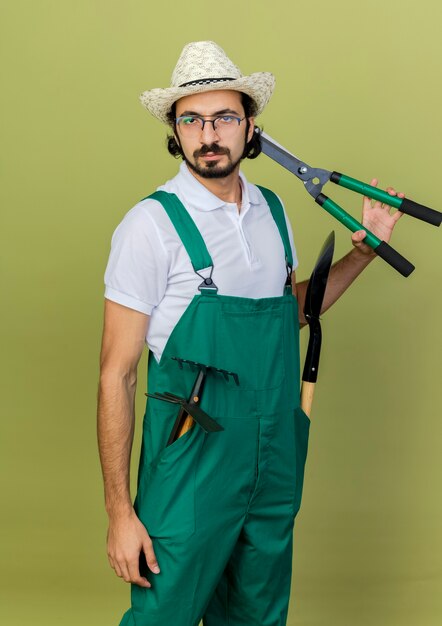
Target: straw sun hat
column 204, row 66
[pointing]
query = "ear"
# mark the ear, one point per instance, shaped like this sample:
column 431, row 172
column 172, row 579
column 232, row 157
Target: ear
column 251, row 128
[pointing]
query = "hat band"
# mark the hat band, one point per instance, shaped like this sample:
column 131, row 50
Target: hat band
column 205, row 81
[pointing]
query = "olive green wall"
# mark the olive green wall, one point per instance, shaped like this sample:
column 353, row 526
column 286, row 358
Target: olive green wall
column 358, row 90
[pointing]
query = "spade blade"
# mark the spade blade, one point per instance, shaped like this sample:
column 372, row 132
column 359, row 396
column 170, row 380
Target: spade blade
column 318, row 279
column 312, row 308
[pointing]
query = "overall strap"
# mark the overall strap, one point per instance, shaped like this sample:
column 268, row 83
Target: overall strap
column 186, row 229
column 188, row 233
column 277, row 212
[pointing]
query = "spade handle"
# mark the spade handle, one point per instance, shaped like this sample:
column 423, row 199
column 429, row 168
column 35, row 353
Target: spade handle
column 307, row 391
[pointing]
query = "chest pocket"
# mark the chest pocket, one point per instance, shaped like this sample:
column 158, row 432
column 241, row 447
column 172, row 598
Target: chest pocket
column 254, row 341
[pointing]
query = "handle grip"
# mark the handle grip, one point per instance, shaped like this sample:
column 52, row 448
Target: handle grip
column 395, row 259
column 421, row 212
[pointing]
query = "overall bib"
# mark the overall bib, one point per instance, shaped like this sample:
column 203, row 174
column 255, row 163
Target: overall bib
column 220, row 506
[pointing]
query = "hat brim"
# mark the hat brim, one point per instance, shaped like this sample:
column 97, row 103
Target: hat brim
column 258, row 86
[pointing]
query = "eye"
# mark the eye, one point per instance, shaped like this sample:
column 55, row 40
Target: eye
column 188, row 120
column 227, row 119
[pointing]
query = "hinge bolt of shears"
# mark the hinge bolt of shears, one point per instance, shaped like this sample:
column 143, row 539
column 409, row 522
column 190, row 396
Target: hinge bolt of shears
column 302, row 170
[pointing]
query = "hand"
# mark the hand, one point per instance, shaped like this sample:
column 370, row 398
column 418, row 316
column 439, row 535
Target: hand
column 377, row 218
column 126, row 539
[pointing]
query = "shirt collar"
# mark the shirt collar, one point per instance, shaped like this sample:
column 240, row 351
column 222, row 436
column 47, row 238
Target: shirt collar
column 194, row 193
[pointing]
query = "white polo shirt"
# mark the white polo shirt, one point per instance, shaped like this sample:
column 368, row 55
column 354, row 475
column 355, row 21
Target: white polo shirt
column 150, row 271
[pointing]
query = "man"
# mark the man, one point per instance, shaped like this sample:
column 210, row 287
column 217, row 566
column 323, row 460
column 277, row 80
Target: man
column 203, row 271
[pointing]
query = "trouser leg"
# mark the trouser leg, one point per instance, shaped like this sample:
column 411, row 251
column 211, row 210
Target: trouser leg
column 195, row 501
column 254, row 589
column 189, row 574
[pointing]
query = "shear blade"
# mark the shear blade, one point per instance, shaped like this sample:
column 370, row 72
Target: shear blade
column 313, row 178
column 207, row 423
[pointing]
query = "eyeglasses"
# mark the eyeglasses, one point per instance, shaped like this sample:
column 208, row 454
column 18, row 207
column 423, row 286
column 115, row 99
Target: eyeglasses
column 194, row 124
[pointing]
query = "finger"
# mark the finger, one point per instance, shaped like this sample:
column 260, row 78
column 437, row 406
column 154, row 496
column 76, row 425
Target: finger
column 396, row 216
column 151, row 559
column 377, row 204
column 391, row 192
column 111, row 561
column 357, row 239
column 373, row 183
column 118, row 570
column 122, row 571
column 114, row 564
column 135, row 577
column 367, row 202
column 358, row 236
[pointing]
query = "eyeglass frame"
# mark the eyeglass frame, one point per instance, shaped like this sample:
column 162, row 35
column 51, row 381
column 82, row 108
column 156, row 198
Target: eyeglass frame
column 200, row 117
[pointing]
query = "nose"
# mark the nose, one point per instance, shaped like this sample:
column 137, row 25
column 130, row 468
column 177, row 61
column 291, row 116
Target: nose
column 208, row 133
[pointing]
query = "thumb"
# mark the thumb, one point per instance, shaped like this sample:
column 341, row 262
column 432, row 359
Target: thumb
column 358, row 236
column 151, row 559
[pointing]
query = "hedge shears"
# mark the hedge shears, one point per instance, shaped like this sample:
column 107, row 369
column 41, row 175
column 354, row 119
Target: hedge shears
column 314, row 179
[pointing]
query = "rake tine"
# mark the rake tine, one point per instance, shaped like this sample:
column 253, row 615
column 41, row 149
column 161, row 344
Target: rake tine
column 235, row 378
column 226, row 375
column 192, row 364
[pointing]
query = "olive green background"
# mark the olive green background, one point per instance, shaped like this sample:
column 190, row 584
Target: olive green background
column 358, row 90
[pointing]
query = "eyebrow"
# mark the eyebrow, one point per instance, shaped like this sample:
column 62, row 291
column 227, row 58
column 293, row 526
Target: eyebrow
column 221, row 112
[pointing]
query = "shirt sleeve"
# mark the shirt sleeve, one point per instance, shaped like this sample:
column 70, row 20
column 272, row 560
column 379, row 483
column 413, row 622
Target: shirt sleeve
column 137, row 268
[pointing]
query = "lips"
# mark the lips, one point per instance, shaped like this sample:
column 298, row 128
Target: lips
column 210, row 151
column 211, row 155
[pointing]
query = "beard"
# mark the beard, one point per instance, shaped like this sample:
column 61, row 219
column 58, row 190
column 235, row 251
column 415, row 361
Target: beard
column 211, row 169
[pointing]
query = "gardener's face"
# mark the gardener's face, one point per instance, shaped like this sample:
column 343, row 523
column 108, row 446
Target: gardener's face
column 212, row 152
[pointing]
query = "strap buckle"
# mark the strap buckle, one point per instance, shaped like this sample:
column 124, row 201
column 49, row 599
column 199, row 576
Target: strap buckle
column 288, row 267
column 207, row 284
